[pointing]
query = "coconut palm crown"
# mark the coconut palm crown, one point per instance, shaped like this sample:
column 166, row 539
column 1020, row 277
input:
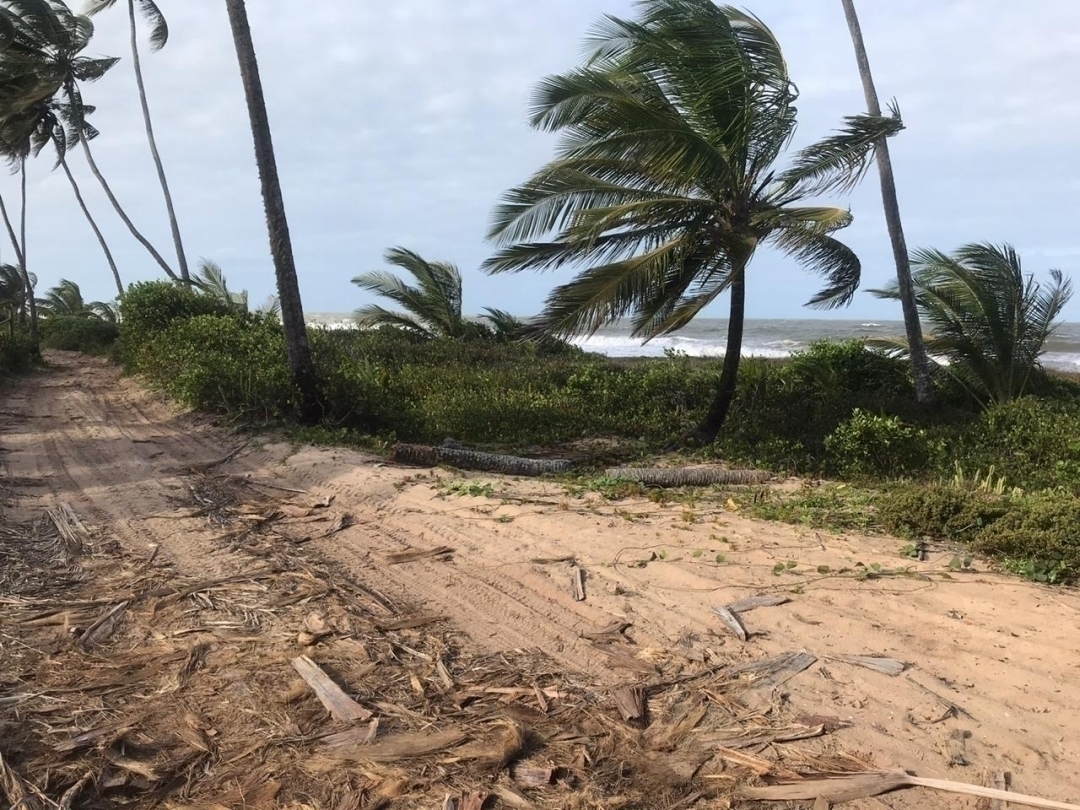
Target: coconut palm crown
column 432, row 307
column 672, row 171
column 989, row 320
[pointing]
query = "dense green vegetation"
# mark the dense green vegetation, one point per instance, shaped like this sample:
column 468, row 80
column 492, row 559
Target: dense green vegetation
column 1003, row 478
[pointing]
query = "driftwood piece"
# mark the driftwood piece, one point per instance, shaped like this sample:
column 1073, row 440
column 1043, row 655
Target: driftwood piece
column 732, row 622
column 840, row 789
column 742, row 738
column 427, row 456
column 341, row 707
column 530, row 776
column 687, row 476
column 400, row 746
column 630, row 701
column 886, row 666
column 100, row 631
column 755, row 602
column 577, row 582
column 400, row 557
column 776, row 671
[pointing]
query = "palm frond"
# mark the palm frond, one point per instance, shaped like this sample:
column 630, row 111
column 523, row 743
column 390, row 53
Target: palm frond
column 826, row 256
column 839, row 162
column 432, row 306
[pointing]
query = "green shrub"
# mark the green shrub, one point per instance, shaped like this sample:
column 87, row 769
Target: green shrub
column 1039, row 537
column 148, row 308
column 15, row 354
column 78, row 333
column 869, row 445
column 938, row 510
column 839, row 368
column 232, row 364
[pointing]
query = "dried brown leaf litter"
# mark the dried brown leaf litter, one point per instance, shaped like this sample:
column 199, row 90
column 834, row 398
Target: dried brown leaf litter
column 285, row 683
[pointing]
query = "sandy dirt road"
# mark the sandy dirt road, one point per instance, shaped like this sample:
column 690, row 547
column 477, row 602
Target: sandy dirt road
column 993, row 662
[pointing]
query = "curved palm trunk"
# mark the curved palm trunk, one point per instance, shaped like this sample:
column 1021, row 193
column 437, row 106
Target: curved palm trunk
column 35, row 347
column 725, row 392
column 121, row 213
column 97, row 231
column 292, row 310
column 181, row 258
column 920, row 364
column 18, row 260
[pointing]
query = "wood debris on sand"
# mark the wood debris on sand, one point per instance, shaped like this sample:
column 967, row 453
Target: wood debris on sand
column 284, row 682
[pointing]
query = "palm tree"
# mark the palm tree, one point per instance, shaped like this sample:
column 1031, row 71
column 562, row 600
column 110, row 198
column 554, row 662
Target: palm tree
column 297, row 348
column 211, row 280
column 920, row 363
column 668, row 180
column 52, row 122
column 66, row 66
column 66, row 299
column 13, row 295
column 432, row 307
column 988, row 320
column 159, row 36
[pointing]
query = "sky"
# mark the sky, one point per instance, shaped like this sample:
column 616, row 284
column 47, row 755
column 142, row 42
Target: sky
column 401, row 123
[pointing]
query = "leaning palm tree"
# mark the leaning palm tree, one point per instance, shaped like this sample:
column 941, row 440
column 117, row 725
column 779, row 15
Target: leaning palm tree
column 920, row 364
column 988, row 321
column 432, row 308
column 159, row 36
column 51, row 122
column 297, row 348
column 671, row 175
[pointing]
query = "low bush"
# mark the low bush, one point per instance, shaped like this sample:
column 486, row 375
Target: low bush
column 78, row 333
column 1037, row 537
column 869, row 445
column 149, row 308
column 15, row 354
column 938, row 510
column 230, row 364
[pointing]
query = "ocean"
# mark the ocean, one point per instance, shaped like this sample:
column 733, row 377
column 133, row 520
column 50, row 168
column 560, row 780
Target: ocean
column 764, row 338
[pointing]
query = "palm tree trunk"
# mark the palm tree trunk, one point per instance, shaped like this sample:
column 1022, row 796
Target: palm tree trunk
column 920, row 363
column 181, row 258
column 725, row 392
column 35, row 347
column 292, row 311
column 97, row 231
column 18, row 260
column 119, row 210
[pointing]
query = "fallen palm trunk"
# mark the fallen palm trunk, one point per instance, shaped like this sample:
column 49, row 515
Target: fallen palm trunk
column 840, row 789
column 427, row 456
column 688, row 476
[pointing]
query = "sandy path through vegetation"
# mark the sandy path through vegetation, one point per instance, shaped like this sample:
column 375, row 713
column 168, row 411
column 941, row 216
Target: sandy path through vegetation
column 1004, row 652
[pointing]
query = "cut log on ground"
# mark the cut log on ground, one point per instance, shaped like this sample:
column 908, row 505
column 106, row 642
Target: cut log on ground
column 688, row 476
column 426, row 456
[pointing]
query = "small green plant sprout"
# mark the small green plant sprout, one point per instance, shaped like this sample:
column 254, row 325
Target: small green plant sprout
column 472, row 489
column 958, row 563
column 720, row 559
column 698, row 552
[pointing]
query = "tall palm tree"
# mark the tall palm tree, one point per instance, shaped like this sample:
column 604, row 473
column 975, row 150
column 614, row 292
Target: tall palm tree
column 432, row 307
column 988, row 320
column 159, row 36
column 66, row 65
column 292, row 310
column 920, row 363
column 670, row 176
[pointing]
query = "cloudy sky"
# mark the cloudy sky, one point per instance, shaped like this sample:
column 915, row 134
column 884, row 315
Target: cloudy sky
column 401, row 123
